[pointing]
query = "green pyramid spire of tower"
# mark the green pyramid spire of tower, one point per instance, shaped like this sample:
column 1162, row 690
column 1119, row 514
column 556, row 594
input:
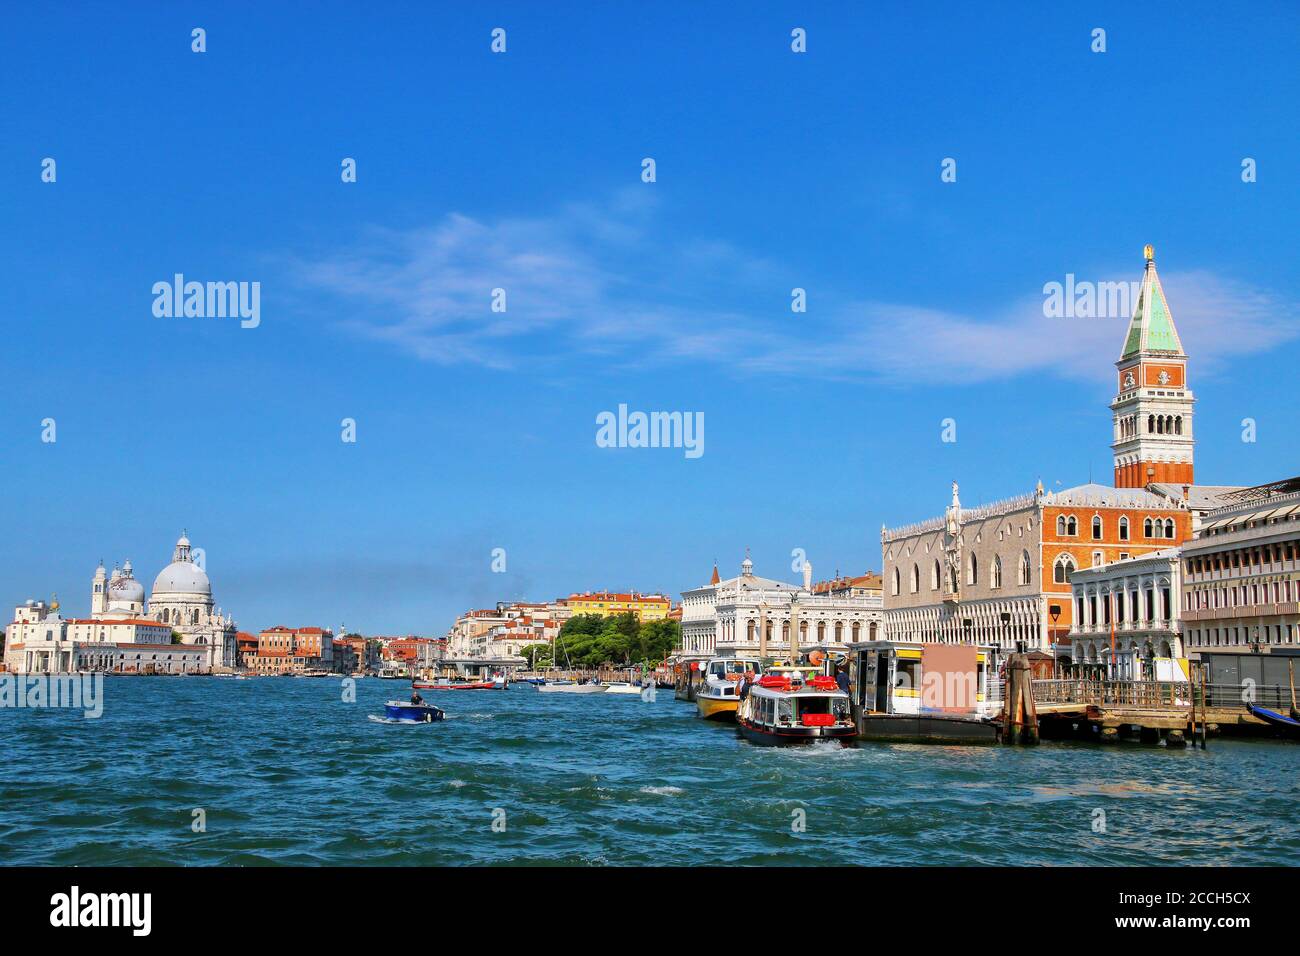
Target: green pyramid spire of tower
column 1152, row 327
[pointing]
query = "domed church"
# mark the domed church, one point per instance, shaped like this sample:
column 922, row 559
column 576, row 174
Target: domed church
column 181, row 599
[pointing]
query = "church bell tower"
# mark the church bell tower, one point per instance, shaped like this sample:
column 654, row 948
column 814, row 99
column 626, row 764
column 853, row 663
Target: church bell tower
column 1153, row 406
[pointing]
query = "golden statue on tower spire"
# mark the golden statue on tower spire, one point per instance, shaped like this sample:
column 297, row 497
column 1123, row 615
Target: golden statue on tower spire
column 1149, row 251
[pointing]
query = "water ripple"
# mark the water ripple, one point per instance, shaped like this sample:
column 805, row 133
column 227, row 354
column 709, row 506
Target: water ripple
column 287, row 773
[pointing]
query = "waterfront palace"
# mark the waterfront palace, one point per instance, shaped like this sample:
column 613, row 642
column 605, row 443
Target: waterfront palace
column 748, row 615
column 1156, row 566
column 123, row 633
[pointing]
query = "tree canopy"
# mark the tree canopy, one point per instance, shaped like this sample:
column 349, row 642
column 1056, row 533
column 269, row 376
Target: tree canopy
column 589, row 640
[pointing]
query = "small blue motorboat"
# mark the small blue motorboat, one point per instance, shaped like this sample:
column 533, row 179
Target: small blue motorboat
column 406, row 712
column 1288, row 726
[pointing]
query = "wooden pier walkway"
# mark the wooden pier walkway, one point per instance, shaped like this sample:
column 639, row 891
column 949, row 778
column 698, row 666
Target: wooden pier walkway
column 1176, row 712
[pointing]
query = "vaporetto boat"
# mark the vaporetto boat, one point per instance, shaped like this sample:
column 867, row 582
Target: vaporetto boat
column 795, row 705
column 719, row 693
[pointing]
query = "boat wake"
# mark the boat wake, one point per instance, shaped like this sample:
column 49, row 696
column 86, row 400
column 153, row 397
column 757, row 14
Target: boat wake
column 390, row 720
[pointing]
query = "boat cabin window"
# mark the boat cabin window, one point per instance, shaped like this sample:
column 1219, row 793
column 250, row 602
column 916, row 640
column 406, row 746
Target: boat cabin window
column 907, row 674
column 720, row 669
column 838, row 706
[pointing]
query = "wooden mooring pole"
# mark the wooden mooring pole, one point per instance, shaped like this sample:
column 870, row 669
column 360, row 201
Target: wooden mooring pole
column 1020, row 716
column 1290, row 676
column 1204, row 705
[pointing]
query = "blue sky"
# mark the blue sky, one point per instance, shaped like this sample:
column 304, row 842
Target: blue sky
column 476, row 430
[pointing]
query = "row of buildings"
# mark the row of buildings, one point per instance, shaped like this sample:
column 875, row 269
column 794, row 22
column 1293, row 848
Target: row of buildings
column 1112, row 577
column 486, row 638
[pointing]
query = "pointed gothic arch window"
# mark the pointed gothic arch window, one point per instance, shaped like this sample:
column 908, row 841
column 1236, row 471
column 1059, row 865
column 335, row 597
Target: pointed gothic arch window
column 1026, row 569
column 936, row 576
column 1146, row 528
column 916, row 579
column 894, row 583
column 973, row 574
column 1062, row 569
column 1169, row 527
column 1096, row 527
column 1060, row 526
column 1072, row 526
column 995, row 578
column 1123, row 528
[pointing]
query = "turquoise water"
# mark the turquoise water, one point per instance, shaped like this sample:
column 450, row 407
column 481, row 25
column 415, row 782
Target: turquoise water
column 288, row 773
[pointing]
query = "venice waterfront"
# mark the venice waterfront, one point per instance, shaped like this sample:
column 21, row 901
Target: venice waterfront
column 288, row 773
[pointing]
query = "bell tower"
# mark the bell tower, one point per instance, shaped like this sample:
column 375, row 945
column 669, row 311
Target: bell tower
column 1152, row 408
column 99, row 591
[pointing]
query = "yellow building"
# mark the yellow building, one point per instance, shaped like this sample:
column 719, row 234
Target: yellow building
column 647, row 607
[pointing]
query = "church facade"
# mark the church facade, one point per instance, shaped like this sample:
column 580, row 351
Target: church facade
column 182, row 599
column 125, row 633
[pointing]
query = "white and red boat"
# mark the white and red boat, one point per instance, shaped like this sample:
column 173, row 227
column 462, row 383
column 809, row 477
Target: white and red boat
column 795, row 705
column 458, row 685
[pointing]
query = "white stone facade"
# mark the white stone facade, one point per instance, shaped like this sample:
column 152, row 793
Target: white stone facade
column 730, row 617
column 1136, row 601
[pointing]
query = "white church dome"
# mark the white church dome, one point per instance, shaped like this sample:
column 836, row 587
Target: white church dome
column 181, row 577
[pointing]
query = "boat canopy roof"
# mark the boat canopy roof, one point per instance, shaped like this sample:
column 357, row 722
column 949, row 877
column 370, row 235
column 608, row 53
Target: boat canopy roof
column 886, row 645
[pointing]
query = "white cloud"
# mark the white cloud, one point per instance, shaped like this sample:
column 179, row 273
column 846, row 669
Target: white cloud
column 609, row 282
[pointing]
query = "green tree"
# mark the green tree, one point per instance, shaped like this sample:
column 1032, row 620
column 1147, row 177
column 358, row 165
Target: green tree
column 538, row 655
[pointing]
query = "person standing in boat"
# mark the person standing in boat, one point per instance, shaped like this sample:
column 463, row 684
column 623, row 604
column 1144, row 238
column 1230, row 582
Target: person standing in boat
column 416, row 698
column 746, row 682
column 842, row 679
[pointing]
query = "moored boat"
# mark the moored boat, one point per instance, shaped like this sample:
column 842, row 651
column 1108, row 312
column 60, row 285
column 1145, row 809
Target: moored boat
column 925, row 693
column 568, row 687
column 1287, row 726
column 794, row 705
column 457, row 685
column 622, row 687
column 719, row 692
